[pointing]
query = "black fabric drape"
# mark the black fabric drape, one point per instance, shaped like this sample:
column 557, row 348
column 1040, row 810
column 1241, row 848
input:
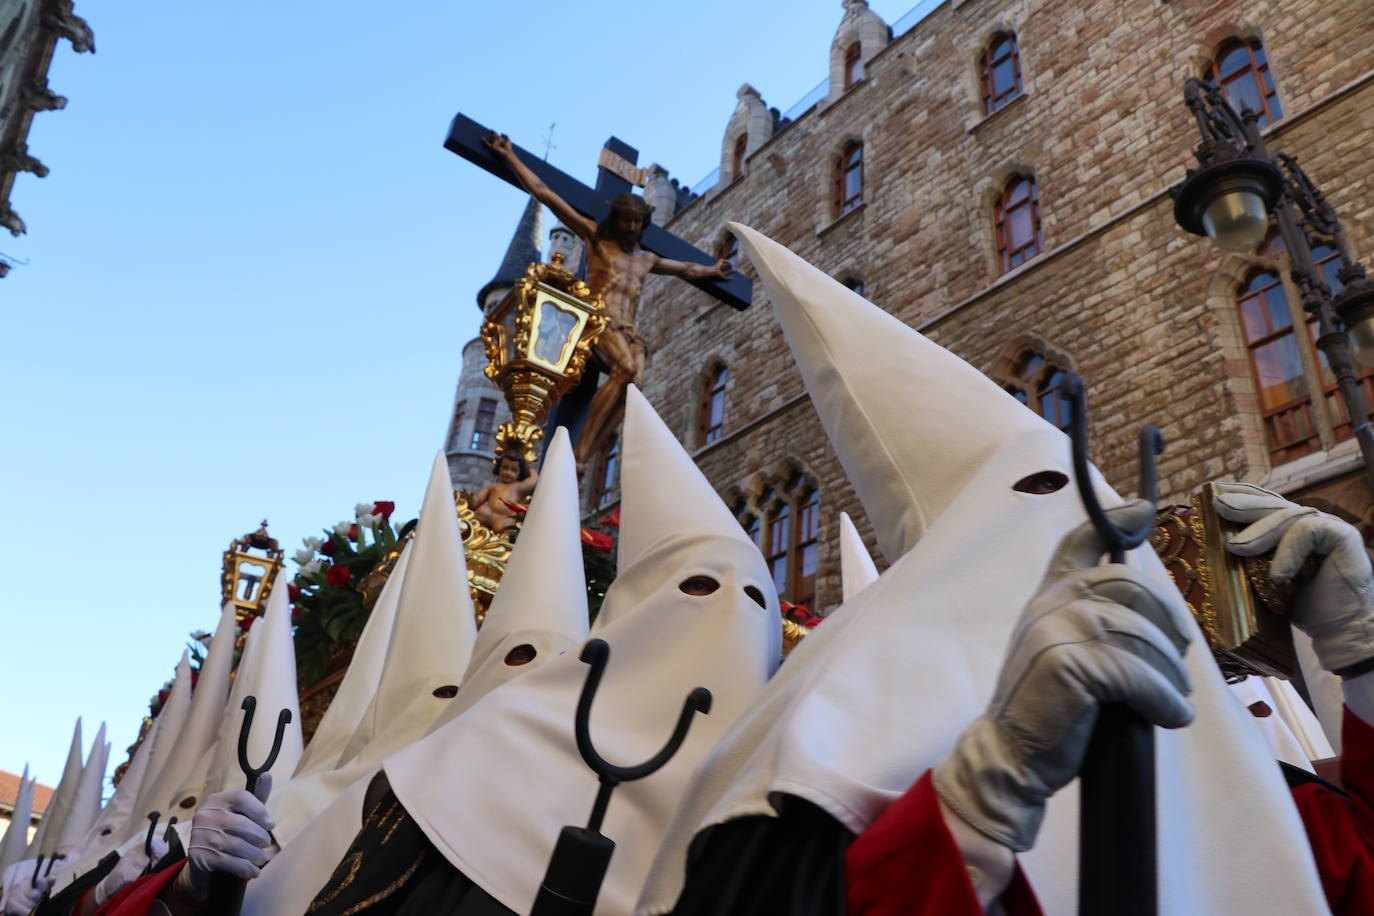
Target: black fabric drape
column 789, row 865
column 61, row 903
column 392, row 869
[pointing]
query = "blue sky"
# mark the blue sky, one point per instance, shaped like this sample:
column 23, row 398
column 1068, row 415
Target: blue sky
column 251, row 272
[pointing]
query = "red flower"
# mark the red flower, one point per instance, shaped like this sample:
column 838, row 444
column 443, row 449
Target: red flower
column 352, row 532
column 517, row 508
column 195, row 677
column 814, row 621
column 293, row 593
column 612, row 520
column 597, row 539
column 383, row 508
column 328, row 547
column 246, row 622
column 337, row 575
column 296, row 612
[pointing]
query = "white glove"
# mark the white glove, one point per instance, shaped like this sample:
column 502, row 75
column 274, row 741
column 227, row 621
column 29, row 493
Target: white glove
column 21, row 896
column 131, row 866
column 1335, row 608
column 1091, row 635
column 230, row 834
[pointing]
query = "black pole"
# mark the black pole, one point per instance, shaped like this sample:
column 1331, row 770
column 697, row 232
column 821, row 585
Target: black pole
column 1117, row 864
column 225, row 897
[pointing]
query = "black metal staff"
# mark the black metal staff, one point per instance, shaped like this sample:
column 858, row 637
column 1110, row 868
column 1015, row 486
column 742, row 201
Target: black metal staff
column 579, row 861
column 148, row 842
column 1117, row 872
column 37, row 866
column 226, row 891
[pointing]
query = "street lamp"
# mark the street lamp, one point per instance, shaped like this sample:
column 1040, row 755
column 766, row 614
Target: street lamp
column 1229, row 198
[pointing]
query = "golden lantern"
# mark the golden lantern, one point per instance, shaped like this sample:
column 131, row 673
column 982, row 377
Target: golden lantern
column 250, row 566
column 537, row 340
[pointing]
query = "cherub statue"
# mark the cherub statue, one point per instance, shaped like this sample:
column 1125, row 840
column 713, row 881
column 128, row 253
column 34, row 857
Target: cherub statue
column 515, row 481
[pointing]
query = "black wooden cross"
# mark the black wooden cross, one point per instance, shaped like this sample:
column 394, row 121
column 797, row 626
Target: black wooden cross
column 465, row 138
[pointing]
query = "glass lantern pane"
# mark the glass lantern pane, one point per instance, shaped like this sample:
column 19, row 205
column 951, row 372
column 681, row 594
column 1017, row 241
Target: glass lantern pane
column 553, row 343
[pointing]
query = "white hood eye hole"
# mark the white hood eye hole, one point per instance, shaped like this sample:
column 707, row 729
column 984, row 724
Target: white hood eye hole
column 698, row 585
column 522, row 654
column 756, row 595
column 1041, row 482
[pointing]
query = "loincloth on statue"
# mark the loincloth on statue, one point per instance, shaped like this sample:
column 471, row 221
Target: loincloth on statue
column 631, row 336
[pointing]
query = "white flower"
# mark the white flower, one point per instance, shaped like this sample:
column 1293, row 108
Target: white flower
column 312, row 544
column 303, row 557
column 312, row 567
column 362, row 509
column 369, row 521
column 342, row 529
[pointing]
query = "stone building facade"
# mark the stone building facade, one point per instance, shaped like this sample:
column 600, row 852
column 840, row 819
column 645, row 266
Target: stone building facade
column 29, row 31
column 1027, row 226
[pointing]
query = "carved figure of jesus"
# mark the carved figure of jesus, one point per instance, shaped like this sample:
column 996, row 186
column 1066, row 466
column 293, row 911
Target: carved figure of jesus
column 616, row 268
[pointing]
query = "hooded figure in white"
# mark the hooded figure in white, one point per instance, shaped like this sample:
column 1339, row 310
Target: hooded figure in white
column 878, row 695
column 692, row 606
column 540, row 610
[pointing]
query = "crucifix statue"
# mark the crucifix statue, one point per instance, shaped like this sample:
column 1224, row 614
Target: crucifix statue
column 623, row 247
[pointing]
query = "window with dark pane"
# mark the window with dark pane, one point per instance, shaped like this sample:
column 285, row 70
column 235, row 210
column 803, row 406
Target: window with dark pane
column 779, row 540
column 737, row 160
column 1328, row 262
column 1280, row 381
column 1001, row 66
column 1038, row 382
column 728, row 249
column 853, row 65
column 855, row 284
column 849, row 179
column 484, row 426
column 1241, row 70
column 805, row 554
column 1019, row 237
column 455, row 431
column 712, row 423
column 607, row 467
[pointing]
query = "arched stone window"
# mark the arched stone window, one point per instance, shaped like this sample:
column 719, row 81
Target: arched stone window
column 737, row 162
column 607, row 473
column 1017, row 215
column 711, row 416
column 1242, row 71
column 853, row 64
column 783, row 519
column 1001, row 70
column 849, row 179
column 1034, row 375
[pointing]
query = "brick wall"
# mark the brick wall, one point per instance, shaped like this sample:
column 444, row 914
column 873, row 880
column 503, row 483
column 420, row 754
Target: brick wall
column 1145, row 311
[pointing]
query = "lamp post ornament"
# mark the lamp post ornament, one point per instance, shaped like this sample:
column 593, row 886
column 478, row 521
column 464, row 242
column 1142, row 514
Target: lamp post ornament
column 623, row 247
column 1238, row 182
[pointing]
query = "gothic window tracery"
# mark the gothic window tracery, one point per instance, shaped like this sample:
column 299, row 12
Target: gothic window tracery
column 853, row 65
column 711, row 417
column 1001, row 72
column 1241, row 70
column 1017, row 214
column 849, row 178
column 783, row 519
column 1034, row 375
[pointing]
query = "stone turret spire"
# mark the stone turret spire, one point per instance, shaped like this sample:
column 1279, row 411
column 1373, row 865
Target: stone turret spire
column 525, row 246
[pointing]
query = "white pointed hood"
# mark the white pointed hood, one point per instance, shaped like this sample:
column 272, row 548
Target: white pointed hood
column 298, row 803
column 203, row 718
column 934, row 450
column 107, row 831
column 857, row 570
column 432, row 638
column 542, row 601
column 16, row 838
column 267, row 672
column 85, row 805
column 360, row 682
column 517, row 775
column 45, row 840
column 173, row 718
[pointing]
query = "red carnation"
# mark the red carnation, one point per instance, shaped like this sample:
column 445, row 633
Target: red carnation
column 195, row 677
column 612, row 520
column 296, row 612
column 352, row 532
column 293, row 593
column 383, row 508
column 161, row 697
column 814, row 621
column 597, row 539
column 328, row 547
column 337, row 575
column 246, row 622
